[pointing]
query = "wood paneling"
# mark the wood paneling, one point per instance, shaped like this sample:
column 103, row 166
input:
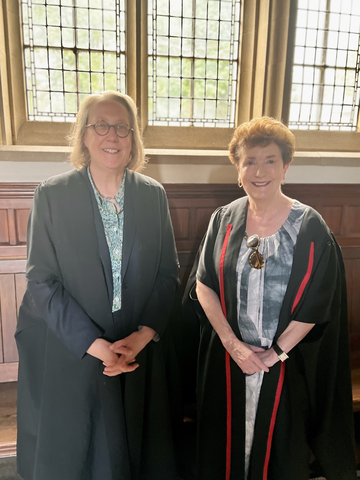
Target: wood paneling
column 4, row 228
column 333, row 218
column 351, row 222
column 21, row 220
column 9, row 372
column 20, row 287
column 13, row 265
column 8, row 317
column 15, row 203
column 180, row 221
column 191, row 206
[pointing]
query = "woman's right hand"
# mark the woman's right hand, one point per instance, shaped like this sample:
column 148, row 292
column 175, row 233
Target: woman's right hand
column 100, row 349
column 245, row 356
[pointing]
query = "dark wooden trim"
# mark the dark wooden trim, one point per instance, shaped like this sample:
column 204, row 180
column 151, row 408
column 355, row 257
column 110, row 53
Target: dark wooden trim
column 201, row 190
column 351, row 251
column 13, row 265
column 17, row 190
column 13, row 251
column 8, row 450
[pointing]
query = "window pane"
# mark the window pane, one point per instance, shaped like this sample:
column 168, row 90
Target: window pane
column 326, row 82
column 71, row 49
column 193, row 55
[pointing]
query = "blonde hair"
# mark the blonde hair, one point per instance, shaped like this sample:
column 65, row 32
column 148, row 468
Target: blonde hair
column 261, row 132
column 80, row 156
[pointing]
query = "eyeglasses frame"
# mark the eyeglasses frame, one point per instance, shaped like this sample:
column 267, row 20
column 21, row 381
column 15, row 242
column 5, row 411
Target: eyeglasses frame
column 93, row 125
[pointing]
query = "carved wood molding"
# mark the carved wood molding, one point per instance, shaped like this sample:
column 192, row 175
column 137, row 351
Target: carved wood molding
column 294, row 190
column 17, row 190
column 201, row 190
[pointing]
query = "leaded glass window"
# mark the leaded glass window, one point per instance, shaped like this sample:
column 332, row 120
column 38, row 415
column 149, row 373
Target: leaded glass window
column 326, row 84
column 71, row 48
column 193, row 62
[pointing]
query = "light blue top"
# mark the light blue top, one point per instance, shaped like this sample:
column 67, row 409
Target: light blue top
column 113, row 222
column 260, row 294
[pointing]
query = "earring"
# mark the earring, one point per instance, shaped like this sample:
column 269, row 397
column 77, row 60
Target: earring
column 283, row 182
column 240, row 184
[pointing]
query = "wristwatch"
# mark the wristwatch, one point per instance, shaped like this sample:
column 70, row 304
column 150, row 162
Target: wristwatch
column 280, row 353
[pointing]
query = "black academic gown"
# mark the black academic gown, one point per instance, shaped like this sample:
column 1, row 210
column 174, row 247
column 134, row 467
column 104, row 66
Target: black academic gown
column 74, row 422
column 305, row 403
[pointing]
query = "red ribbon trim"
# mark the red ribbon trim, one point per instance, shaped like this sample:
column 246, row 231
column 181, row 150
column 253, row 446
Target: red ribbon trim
column 227, row 358
column 273, row 419
column 305, row 279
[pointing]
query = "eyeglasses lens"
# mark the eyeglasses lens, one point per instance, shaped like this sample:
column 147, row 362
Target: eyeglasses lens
column 102, row 128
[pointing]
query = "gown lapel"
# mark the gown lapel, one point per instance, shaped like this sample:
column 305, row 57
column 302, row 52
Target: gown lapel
column 129, row 224
column 100, row 232
column 235, row 216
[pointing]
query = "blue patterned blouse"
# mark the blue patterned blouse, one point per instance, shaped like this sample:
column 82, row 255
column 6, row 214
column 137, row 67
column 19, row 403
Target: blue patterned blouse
column 113, row 222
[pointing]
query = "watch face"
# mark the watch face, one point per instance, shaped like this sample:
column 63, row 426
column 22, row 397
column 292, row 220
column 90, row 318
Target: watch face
column 283, row 356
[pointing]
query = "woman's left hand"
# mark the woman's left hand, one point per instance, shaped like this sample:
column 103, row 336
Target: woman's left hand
column 136, row 341
column 268, row 357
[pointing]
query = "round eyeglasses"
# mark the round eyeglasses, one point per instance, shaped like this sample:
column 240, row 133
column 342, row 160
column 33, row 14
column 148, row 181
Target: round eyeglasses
column 103, row 128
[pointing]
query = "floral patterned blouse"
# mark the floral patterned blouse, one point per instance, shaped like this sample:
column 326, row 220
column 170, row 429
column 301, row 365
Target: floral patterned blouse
column 113, row 222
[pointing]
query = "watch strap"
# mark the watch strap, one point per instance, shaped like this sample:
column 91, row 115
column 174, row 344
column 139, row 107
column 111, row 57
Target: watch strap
column 280, row 353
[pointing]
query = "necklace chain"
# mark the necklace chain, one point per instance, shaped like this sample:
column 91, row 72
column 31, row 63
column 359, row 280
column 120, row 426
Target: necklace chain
column 104, row 197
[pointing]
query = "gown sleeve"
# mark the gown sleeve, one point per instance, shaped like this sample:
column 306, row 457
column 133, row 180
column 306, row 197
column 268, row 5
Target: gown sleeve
column 316, row 302
column 324, row 359
column 206, row 272
column 53, row 303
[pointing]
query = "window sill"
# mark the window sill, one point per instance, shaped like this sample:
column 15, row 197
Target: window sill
column 23, row 153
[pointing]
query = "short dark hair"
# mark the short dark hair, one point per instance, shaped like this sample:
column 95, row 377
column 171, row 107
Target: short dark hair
column 261, row 132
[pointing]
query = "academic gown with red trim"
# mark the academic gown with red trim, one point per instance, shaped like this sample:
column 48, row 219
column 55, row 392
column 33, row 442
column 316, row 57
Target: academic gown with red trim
column 314, row 402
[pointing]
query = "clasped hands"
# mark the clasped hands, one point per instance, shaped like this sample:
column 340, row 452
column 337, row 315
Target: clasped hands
column 249, row 358
column 119, row 357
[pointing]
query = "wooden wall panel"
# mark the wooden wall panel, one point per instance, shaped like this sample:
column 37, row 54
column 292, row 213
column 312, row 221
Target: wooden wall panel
column 202, row 216
column 4, row 227
column 351, row 221
column 8, row 317
column 352, row 267
column 333, row 217
column 180, row 221
column 20, row 287
column 11, row 226
column 21, row 220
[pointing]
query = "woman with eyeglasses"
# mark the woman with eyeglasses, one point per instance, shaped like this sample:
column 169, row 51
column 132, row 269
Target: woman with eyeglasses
column 102, row 272
column 274, row 378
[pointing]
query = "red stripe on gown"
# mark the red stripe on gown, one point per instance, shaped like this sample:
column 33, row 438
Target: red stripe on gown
column 227, row 358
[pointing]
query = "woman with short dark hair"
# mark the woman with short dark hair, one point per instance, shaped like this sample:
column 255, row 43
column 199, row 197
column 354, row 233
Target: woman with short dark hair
column 274, row 377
